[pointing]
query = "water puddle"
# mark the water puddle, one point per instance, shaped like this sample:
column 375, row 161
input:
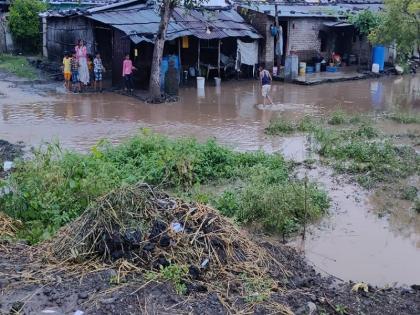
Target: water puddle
column 352, row 243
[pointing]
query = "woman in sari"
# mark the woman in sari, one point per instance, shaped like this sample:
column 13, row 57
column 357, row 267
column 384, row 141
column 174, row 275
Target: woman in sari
column 81, row 55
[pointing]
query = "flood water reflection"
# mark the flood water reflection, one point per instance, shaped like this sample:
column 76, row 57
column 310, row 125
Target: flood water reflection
column 352, row 244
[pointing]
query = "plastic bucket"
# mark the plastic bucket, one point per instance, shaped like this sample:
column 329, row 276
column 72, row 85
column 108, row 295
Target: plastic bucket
column 318, row 67
column 200, row 82
column 217, row 81
column 375, row 68
column 302, row 68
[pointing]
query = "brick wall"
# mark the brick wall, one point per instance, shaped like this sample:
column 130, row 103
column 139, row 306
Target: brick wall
column 261, row 22
column 303, row 37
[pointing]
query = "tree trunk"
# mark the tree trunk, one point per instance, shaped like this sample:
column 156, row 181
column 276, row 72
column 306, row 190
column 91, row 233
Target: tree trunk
column 154, row 84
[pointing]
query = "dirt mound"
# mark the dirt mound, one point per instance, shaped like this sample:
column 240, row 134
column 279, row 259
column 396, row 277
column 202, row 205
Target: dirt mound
column 149, row 229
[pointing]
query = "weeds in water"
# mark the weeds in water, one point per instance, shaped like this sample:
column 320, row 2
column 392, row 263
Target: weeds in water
column 56, row 186
column 405, row 118
column 280, row 126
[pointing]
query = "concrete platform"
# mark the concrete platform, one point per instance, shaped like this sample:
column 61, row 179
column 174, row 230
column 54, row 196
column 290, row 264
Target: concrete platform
column 327, row 77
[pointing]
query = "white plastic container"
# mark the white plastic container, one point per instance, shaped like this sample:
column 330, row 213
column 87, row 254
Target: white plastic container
column 217, row 81
column 375, row 68
column 200, row 82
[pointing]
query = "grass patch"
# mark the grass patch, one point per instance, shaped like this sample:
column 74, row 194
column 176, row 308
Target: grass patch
column 17, row 65
column 405, row 118
column 56, row 186
column 338, row 118
column 362, row 152
column 280, row 126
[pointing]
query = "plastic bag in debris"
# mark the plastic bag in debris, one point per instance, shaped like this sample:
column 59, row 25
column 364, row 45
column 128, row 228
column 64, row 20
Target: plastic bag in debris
column 177, row 227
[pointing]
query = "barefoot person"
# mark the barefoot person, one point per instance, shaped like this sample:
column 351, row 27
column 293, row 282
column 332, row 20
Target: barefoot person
column 67, row 71
column 98, row 68
column 81, row 54
column 128, row 73
column 265, row 79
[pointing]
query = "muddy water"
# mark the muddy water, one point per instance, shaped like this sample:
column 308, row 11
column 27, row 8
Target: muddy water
column 353, row 243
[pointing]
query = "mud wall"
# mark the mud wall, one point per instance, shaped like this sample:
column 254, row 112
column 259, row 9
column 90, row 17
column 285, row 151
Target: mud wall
column 63, row 33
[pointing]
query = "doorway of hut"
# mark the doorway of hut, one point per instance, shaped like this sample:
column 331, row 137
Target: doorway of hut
column 103, row 45
column 283, row 45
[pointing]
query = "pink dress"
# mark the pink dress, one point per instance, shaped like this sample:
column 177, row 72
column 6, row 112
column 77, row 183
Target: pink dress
column 81, row 55
column 127, row 67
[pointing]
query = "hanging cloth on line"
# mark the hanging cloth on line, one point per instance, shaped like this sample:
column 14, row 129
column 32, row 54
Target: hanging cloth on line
column 247, row 53
column 279, row 44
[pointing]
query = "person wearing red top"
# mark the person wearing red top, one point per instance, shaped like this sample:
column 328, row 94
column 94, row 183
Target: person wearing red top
column 127, row 73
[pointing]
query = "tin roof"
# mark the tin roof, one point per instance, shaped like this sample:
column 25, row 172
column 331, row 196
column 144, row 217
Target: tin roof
column 141, row 22
column 314, row 9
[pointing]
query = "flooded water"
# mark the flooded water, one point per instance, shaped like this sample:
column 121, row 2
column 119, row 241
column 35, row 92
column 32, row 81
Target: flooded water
column 353, row 243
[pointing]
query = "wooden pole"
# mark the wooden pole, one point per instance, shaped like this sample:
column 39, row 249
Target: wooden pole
column 278, row 57
column 218, row 58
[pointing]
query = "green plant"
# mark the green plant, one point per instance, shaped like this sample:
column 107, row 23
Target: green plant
column 417, row 205
column 409, row 193
column 340, row 309
column 24, row 22
column 405, row 118
column 17, row 65
column 337, row 118
column 256, row 290
column 307, row 124
column 176, row 275
column 279, row 126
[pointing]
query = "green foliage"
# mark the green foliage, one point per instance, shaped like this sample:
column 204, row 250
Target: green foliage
column 405, row 118
column 279, row 126
column 56, row 186
column 417, row 205
column 24, row 22
column 337, row 118
column 365, row 21
column 256, row 290
column 280, row 205
column 282, row 126
column 372, row 160
column 400, row 22
column 176, row 275
column 409, row 193
column 17, row 65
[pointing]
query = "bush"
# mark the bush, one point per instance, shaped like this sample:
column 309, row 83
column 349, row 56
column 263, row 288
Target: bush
column 279, row 126
column 56, row 186
column 337, row 118
column 24, row 23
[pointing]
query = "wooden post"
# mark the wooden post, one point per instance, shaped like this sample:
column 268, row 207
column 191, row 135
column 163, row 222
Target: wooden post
column 181, row 72
column 198, row 59
column 278, row 57
column 218, row 58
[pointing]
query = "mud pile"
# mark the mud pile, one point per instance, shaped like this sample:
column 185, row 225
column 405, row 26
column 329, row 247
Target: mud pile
column 152, row 230
column 9, row 151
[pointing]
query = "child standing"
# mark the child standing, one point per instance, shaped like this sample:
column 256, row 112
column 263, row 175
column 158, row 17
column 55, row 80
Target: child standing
column 67, row 71
column 128, row 73
column 90, row 68
column 98, row 68
column 75, row 74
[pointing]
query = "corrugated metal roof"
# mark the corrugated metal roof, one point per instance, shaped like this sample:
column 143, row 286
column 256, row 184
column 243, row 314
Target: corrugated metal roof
column 312, row 10
column 141, row 22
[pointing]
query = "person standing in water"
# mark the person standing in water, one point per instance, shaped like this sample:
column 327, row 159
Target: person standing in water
column 265, row 80
column 81, row 55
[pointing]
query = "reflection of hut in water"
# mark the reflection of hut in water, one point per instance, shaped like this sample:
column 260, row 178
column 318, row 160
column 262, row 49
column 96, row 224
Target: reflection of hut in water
column 211, row 42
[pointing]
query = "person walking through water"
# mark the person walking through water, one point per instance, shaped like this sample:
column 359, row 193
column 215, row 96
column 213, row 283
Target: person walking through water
column 81, row 55
column 265, row 79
